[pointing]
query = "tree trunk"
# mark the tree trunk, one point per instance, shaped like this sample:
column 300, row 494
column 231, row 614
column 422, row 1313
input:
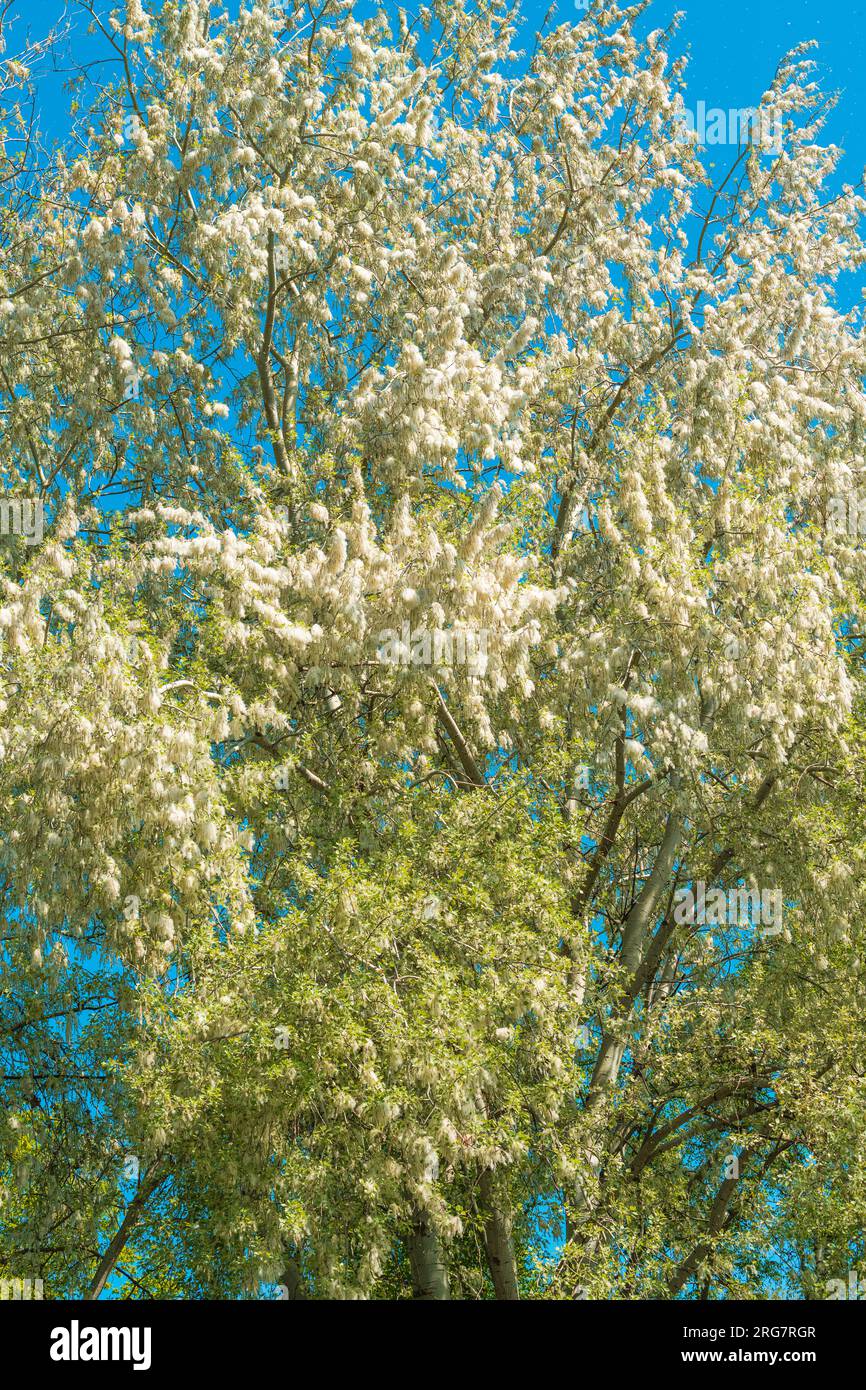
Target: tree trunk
column 113, row 1253
column 498, row 1242
column 293, row 1281
column 429, row 1272
column 640, row 918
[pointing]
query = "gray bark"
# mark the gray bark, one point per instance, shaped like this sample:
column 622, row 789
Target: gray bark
column 498, row 1241
column 633, row 936
column 429, row 1271
column 127, row 1225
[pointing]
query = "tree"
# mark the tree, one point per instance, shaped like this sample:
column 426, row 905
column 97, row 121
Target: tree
column 441, row 574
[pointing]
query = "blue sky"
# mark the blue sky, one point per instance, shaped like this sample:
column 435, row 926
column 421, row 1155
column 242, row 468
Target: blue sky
column 735, row 48
column 734, row 52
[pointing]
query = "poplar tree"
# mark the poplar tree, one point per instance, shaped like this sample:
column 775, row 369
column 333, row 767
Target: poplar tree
column 338, row 970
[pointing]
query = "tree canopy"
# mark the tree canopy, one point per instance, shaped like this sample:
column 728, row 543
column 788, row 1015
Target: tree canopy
column 441, row 458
